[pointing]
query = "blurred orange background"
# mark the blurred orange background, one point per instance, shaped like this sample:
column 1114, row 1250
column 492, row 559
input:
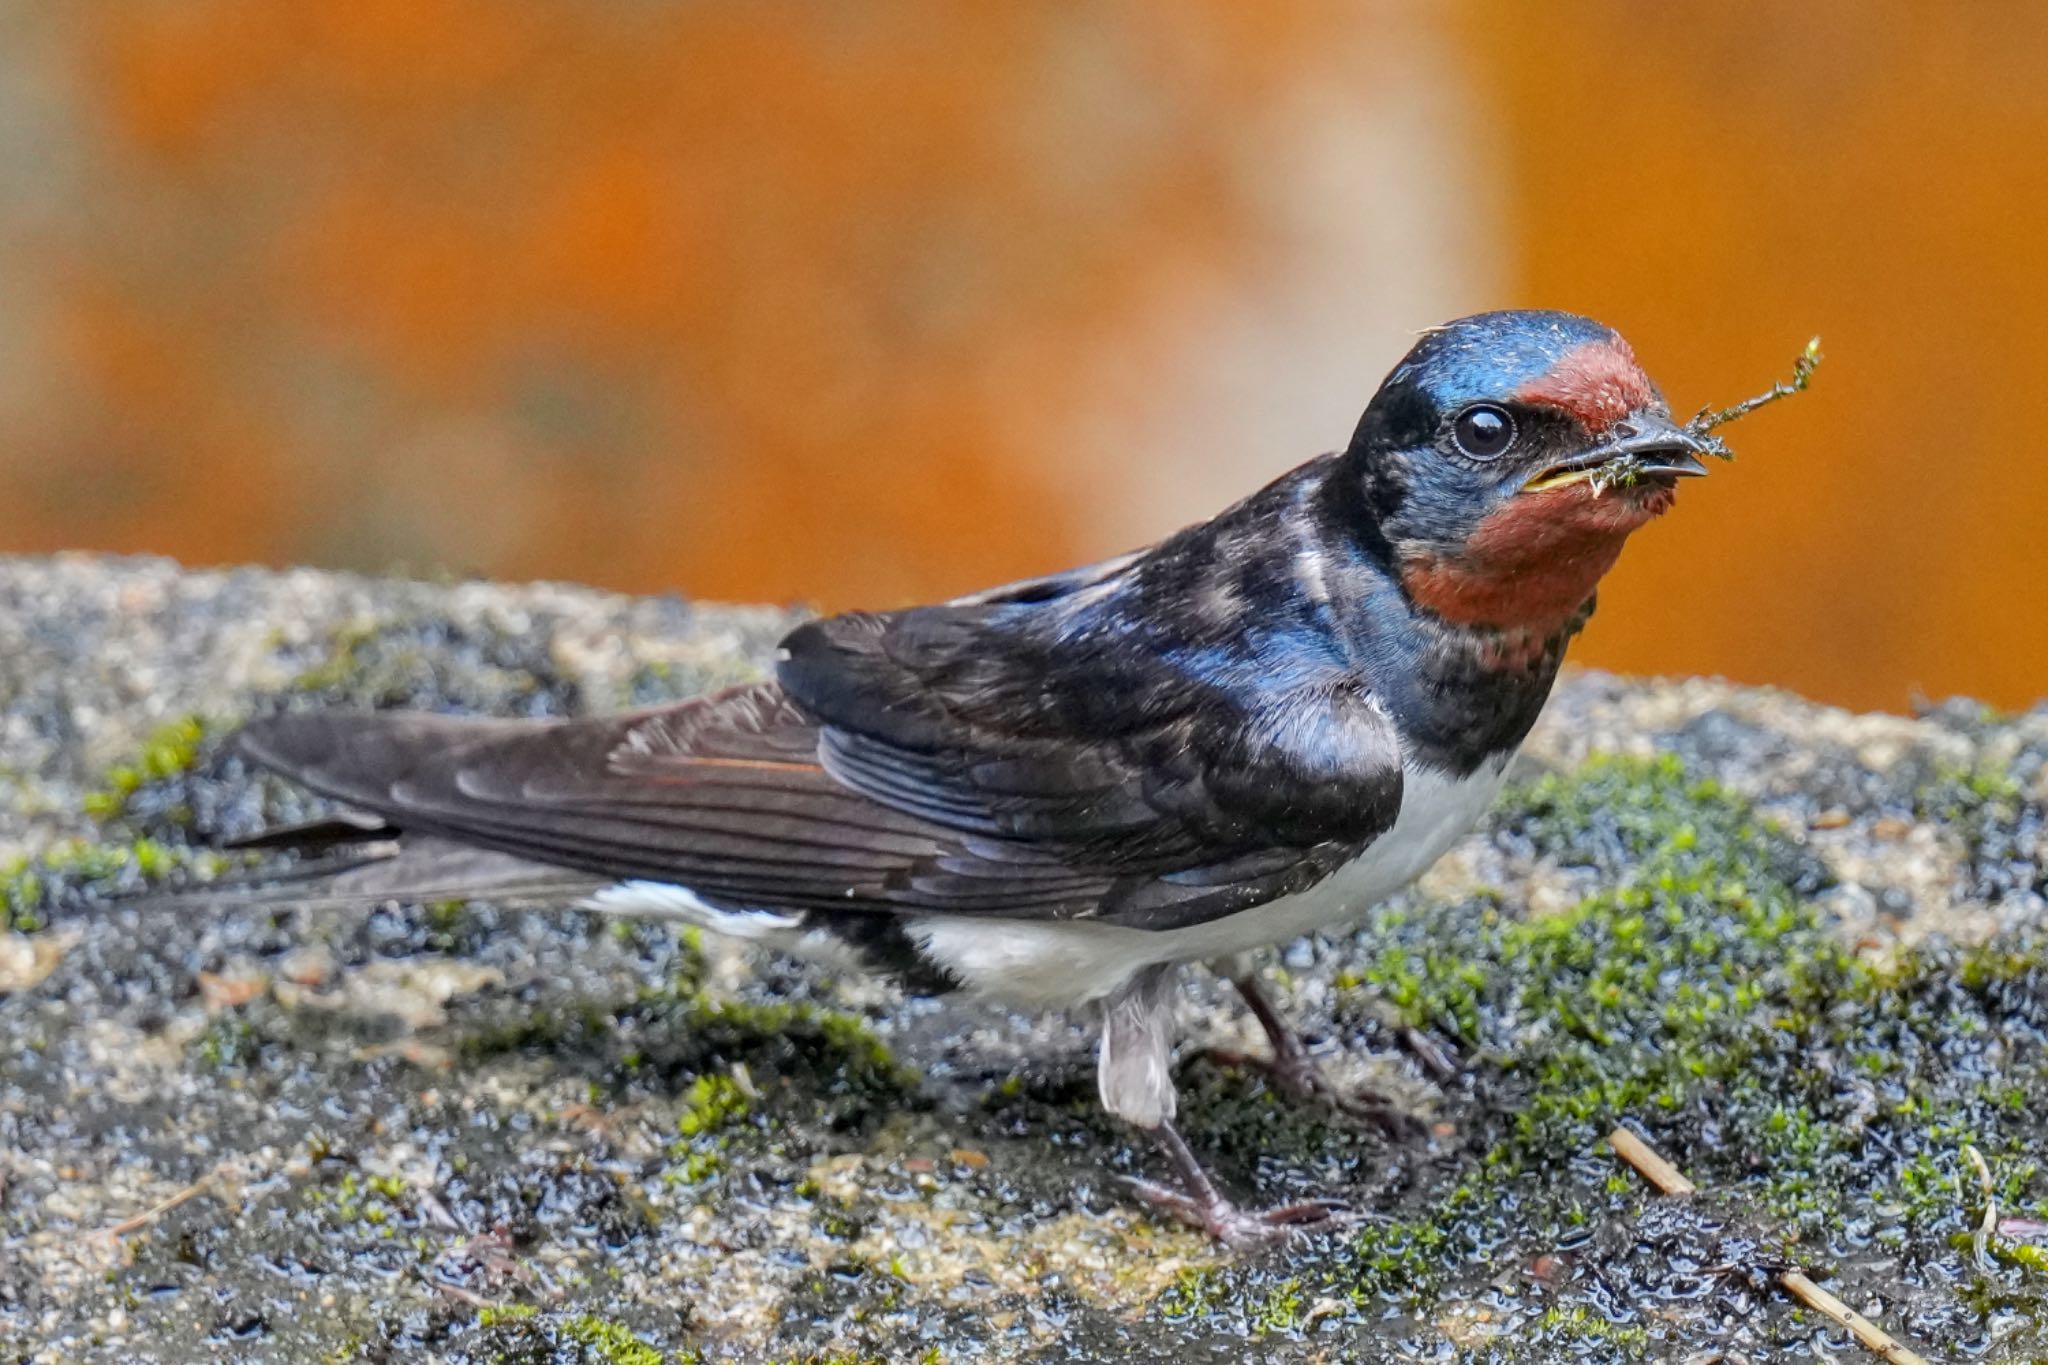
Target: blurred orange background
column 863, row 303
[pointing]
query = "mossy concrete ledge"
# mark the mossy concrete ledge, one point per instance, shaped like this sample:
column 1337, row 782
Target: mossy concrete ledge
column 1801, row 951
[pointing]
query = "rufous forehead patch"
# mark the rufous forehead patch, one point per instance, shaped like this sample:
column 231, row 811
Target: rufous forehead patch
column 1599, row 383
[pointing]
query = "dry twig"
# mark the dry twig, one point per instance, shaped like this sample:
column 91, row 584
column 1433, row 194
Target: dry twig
column 1706, row 419
column 151, row 1214
column 1623, row 470
column 1668, row 1179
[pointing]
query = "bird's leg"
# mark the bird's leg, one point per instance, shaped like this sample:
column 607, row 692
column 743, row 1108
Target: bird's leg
column 1135, row 1075
column 1297, row 1074
column 1200, row 1204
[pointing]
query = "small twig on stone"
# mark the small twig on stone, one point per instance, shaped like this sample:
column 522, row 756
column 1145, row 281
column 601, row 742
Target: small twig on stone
column 1668, row 1179
column 1706, row 419
column 151, row 1214
column 1868, row 1334
column 1649, row 1163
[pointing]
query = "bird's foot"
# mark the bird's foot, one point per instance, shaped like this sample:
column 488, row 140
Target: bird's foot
column 1197, row 1202
column 1239, row 1229
column 1295, row 1073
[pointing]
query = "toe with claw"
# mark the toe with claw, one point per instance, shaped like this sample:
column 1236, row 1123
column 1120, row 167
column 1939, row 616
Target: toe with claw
column 1199, row 1204
column 1239, row 1229
column 1294, row 1071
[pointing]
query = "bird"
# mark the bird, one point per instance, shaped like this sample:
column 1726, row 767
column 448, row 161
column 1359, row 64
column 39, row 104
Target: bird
column 1061, row 792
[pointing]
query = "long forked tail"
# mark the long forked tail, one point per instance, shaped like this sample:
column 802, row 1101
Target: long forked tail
column 351, row 859
column 362, row 758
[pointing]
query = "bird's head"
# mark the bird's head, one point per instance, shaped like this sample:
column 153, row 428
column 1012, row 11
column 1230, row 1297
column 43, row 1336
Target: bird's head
column 1506, row 460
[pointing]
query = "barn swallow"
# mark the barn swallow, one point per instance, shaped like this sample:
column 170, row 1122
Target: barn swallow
column 1057, row 792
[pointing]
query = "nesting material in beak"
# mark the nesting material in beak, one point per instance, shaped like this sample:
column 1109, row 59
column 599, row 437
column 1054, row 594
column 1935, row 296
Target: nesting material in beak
column 1639, row 446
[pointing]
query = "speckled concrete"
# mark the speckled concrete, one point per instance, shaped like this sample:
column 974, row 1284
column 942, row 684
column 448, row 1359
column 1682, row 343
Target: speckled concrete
column 304, row 1135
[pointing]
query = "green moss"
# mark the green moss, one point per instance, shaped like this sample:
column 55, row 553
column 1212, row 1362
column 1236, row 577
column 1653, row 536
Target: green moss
column 1639, row 995
column 1698, row 996
column 837, row 1049
column 684, row 1029
column 829, row 1066
column 344, row 662
column 78, row 872
column 434, row 663
column 2025, row 1255
column 692, row 1165
column 227, row 1043
column 1576, row 1325
column 1197, row 1292
column 610, row 1341
column 491, row 1314
column 518, row 1333
column 170, row 751
column 81, row 871
column 1986, row 811
column 1400, row 1260
column 710, row 1103
column 369, row 1207
column 559, row 1028
column 350, row 1349
column 1963, row 795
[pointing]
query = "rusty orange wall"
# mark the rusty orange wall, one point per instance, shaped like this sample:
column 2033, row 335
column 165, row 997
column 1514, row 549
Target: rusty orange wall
column 827, row 300
column 1721, row 184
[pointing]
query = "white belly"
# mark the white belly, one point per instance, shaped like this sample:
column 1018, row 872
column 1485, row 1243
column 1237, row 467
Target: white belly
column 1061, row 963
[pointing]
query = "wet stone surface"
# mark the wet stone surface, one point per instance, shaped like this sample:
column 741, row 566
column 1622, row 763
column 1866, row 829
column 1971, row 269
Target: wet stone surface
column 1801, row 951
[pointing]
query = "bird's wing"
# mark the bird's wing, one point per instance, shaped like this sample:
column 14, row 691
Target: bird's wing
column 926, row 761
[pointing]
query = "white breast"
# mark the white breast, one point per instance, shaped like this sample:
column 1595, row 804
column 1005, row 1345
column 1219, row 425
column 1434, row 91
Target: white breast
column 1067, row 963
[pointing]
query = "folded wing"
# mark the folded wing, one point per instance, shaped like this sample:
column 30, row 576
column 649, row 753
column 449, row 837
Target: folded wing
column 938, row 761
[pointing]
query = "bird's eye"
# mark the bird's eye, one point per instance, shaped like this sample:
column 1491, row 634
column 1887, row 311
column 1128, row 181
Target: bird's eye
column 1483, row 431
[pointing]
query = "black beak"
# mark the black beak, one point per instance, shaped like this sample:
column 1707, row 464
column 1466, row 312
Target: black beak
column 1640, row 444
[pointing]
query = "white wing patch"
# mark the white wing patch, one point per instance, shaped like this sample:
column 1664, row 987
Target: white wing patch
column 665, row 900
column 776, row 930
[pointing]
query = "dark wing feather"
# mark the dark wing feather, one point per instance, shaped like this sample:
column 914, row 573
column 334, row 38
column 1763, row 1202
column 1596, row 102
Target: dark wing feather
column 705, row 793
column 936, row 761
